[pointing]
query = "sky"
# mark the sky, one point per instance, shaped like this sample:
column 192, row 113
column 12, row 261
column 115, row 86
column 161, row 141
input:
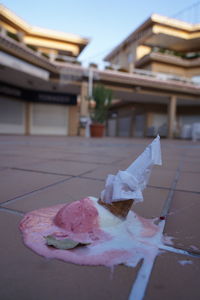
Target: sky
column 105, row 22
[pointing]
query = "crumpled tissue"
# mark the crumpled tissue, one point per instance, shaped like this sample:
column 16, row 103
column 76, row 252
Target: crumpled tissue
column 130, row 183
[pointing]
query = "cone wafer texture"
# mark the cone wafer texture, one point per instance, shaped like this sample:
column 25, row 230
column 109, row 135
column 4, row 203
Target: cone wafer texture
column 119, row 209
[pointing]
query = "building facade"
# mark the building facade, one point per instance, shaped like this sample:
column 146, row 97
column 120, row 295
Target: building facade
column 162, row 45
column 33, row 99
column 164, row 49
column 44, row 89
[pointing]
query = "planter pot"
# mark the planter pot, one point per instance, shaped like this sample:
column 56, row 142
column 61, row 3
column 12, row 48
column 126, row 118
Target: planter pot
column 97, row 130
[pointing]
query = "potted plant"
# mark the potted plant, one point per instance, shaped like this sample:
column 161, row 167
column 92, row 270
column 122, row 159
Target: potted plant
column 99, row 106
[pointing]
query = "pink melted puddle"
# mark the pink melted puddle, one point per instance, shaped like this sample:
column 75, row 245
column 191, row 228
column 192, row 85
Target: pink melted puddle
column 111, row 240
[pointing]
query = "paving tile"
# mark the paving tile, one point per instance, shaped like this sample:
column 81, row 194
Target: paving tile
column 90, row 158
column 14, row 161
column 63, row 167
column 124, row 163
column 191, row 166
column 183, row 221
column 170, row 150
column 162, row 177
column 29, row 276
column 14, row 183
column 188, row 158
column 101, row 172
column 71, row 190
column 168, row 163
column 170, row 156
column 188, row 182
column 153, row 202
column 172, row 280
column 46, row 153
column 78, row 188
column 195, row 153
column 2, row 168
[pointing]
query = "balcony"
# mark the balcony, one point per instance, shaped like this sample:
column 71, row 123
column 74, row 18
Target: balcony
column 169, row 59
column 165, row 77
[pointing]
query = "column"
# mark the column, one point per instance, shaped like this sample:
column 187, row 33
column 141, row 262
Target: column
column 148, row 123
column 73, row 120
column 84, row 100
column 131, row 67
column 84, row 104
column 171, row 116
column 27, row 118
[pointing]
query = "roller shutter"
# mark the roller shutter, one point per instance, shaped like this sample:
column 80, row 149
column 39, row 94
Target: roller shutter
column 49, row 119
column 11, row 116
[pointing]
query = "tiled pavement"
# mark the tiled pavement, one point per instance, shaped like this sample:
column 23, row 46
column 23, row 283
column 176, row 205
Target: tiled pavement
column 42, row 171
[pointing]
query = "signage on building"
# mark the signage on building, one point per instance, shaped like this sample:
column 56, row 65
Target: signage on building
column 37, row 96
column 10, row 91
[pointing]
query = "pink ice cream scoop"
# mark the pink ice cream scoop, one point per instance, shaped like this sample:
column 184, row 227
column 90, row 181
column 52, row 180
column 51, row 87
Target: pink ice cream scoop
column 78, row 217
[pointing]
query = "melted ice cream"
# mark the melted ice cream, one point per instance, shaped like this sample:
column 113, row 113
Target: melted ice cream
column 111, row 240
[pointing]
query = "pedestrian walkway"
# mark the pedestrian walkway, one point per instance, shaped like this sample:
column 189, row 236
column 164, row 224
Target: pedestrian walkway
column 38, row 172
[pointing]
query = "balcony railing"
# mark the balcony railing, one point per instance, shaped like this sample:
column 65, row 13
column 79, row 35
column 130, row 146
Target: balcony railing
column 163, row 76
column 157, row 75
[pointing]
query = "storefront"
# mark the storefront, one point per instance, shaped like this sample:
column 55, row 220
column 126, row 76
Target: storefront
column 24, row 111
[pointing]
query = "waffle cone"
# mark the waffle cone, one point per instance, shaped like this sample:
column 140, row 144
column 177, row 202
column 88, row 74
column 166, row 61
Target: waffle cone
column 119, row 209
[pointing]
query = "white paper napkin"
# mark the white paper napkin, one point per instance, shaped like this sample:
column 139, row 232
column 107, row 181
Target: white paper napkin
column 130, row 183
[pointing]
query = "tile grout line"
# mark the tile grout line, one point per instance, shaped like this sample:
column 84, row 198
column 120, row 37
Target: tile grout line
column 92, row 178
column 187, row 191
column 170, row 195
column 38, row 171
column 142, row 279
column 12, row 211
column 34, row 191
column 43, row 188
column 143, row 276
column 52, row 173
column 71, row 160
column 86, row 162
column 166, row 208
